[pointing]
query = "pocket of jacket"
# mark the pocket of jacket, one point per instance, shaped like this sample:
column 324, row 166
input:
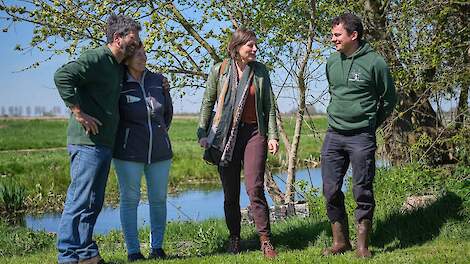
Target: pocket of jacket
column 369, row 106
column 126, row 137
column 346, row 110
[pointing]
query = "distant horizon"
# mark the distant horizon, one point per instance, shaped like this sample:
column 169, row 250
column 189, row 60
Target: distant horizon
column 63, row 111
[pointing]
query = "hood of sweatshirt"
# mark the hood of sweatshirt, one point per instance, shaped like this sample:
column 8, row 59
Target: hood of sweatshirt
column 348, row 61
column 355, row 85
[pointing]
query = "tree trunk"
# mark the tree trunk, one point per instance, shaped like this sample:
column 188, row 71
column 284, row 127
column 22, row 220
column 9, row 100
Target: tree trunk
column 414, row 115
column 463, row 106
column 282, row 131
column 413, row 118
column 290, row 189
column 272, row 188
column 301, row 78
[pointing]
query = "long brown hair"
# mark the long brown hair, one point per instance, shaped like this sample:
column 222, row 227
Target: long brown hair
column 239, row 38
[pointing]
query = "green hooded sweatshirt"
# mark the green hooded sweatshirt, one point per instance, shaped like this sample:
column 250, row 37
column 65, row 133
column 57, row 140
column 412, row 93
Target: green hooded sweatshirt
column 361, row 89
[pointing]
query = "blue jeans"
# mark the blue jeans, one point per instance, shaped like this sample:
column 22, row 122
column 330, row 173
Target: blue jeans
column 129, row 175
column 89, row 168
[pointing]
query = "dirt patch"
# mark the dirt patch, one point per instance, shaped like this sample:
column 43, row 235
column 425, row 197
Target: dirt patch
column 3, row 126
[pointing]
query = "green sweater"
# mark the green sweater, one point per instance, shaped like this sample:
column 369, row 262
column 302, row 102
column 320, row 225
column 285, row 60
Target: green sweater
column 93, row 82
column 361, row 89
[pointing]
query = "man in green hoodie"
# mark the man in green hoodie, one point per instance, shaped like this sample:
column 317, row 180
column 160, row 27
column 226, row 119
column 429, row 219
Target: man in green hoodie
column 90, row 87
column 362, row 97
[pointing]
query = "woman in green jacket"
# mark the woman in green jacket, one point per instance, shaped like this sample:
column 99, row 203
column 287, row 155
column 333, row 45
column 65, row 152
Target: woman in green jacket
column 242, row 130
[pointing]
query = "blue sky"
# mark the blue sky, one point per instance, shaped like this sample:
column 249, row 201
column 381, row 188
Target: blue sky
column 32, row 87
column 35, row 87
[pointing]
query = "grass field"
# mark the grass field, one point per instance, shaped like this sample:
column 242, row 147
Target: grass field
column 33, row 153
column 438, row 233
column 16, row 134
column 297, row 241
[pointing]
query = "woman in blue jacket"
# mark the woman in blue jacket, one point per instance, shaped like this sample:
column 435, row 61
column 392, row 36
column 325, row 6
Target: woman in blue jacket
column 143, row 147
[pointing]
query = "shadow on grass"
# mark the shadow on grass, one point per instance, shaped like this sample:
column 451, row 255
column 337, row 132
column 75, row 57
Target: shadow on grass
column 296, row 234
column 114, row 261
column 402, row 230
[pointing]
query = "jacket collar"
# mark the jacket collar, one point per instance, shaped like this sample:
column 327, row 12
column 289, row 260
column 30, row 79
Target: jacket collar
column 130, row 78
column 107, row 50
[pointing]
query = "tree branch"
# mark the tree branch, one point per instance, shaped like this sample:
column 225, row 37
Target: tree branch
column 189, row 28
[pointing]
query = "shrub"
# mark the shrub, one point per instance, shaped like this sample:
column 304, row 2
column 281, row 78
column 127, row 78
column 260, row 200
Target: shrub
column 12, row 196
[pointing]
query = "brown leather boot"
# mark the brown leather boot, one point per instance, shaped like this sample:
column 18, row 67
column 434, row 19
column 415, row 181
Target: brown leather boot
column 341, row 244
column 362, row 244
column 234, row 244
column 267, row 247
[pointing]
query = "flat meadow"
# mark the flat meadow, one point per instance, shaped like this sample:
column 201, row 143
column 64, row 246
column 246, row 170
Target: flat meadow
column 34, row 161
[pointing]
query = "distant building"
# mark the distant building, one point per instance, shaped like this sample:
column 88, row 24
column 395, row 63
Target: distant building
column 31, row 111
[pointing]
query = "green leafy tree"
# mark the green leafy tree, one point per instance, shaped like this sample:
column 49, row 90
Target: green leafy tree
column 426, row 44
column 184, row 38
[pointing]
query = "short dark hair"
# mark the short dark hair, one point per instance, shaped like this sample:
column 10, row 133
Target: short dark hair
column 239, row 38
column 351, row 23
column 121, row 25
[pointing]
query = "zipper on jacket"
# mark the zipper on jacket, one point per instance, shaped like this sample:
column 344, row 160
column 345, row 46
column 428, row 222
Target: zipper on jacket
column 149, row 122
column 126, row 137
column 150, row 129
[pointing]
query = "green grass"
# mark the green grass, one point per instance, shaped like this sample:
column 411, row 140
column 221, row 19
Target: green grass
column 297, row 240
column 313, row 131
column 45, row 173
column 45, row 176
column 19, row 241
column 437, row 252
column 439, row 233
column 32, row 134
column 188, row 166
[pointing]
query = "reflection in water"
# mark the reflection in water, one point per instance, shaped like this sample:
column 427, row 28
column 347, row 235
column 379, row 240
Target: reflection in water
column 192, row 204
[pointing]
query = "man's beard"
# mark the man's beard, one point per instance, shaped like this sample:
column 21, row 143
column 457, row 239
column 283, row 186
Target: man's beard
column 129, row 50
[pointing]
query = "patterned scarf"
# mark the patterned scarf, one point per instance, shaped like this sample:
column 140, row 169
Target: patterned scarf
column 240, row 90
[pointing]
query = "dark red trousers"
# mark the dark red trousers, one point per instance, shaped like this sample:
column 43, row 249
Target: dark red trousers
column 251, row 153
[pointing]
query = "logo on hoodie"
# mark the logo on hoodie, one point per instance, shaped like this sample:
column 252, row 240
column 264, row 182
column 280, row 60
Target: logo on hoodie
column 355, row 77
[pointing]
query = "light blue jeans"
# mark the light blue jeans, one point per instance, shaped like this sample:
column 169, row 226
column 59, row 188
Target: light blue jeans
column 129, row 175
column 89, row 168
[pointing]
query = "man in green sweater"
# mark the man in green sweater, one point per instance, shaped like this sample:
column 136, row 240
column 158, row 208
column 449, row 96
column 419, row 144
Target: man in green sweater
column 90, row 87
column 362, row 97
